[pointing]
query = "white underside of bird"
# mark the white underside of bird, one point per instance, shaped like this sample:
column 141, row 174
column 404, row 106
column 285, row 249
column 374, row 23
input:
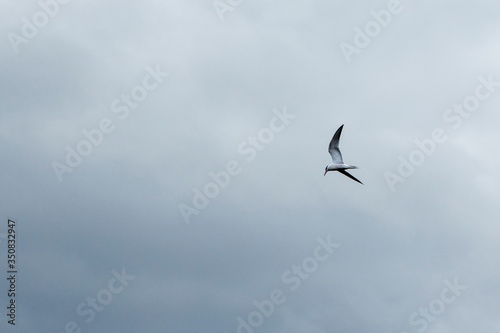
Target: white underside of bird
column 338, row 164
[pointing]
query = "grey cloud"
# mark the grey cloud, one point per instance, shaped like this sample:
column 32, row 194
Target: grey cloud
column 120, row 206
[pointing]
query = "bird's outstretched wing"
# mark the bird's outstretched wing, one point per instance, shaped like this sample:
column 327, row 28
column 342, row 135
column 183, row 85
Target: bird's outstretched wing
column 333, row 149
column 349, row 175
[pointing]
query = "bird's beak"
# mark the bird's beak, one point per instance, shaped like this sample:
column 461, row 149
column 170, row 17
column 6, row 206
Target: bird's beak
column 325, row 172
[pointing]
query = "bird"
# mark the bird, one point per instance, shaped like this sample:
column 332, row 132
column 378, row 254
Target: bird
column 338, row 163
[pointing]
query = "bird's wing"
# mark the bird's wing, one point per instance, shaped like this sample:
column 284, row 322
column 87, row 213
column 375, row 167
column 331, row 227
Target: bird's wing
column 349, row 175
column 333, row 149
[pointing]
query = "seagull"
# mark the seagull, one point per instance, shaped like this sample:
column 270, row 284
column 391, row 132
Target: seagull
column 338, row 163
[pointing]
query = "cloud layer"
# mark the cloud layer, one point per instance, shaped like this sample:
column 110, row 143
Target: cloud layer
column 248, row 260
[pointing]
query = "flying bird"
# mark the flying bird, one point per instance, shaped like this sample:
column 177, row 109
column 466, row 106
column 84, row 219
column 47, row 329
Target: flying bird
column 338, row 163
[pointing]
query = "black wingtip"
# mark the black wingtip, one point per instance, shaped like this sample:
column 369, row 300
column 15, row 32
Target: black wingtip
column 345, row 173
column 338, row 132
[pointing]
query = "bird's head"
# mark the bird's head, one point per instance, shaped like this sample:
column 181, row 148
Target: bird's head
column 326, row 170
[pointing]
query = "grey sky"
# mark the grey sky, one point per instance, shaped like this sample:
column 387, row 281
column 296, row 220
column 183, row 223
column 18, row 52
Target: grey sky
column 400, row 246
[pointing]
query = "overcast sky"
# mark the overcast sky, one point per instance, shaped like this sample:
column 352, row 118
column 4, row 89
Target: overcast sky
column 116, row 117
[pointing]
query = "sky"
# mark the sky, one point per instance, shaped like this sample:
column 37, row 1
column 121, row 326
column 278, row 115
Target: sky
column 163, row 163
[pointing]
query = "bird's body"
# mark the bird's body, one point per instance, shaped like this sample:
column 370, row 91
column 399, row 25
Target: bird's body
column 338, row 164
column 334, row 167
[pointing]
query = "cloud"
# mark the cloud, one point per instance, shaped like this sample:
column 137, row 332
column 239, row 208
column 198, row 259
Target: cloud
column 119, row 207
